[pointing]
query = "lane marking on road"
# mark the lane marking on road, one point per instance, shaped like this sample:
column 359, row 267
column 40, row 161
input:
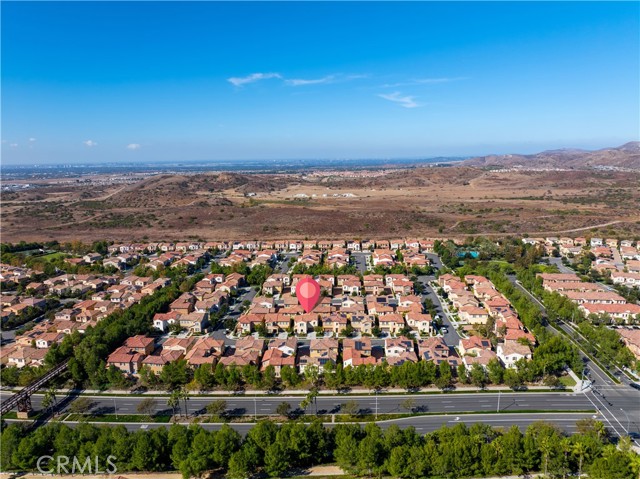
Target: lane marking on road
column 601, row 413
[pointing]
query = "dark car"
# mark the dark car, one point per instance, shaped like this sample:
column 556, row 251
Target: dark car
column 635, row 386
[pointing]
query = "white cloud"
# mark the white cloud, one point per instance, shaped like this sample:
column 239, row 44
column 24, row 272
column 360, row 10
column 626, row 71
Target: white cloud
column 254, row 77
column 13, row 145
column 133, row 146
column 90, row 143
column 32, row 140
column 404, row 101
column 316, row 81
column 423, row 81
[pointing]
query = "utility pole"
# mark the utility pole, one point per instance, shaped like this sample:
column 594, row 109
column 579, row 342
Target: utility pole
column 115, row 408
column 255, row 407
column 499, row 393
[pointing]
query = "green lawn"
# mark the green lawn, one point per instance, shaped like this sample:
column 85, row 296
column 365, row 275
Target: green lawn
column 567, row 381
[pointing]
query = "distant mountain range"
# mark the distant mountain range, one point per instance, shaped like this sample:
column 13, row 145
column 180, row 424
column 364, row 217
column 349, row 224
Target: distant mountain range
column 625, row 156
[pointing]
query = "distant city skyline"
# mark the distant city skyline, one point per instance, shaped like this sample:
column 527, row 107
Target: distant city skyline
column 86, row 82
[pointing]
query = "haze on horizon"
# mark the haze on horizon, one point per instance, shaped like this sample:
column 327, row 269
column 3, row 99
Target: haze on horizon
column 87, row 82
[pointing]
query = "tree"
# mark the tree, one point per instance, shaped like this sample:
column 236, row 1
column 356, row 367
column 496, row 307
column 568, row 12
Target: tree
column 147, row 406
column 283, row 409
column 49, row 400
column 81, row 405
column 175, row 374
column 243, row 462
column 350, row 407
column 217, row 407
column 225, row 443
column 289, row 376
column 147, row 377
column 444, row 375
column 478, row 376
column 408, row 404
column 184, row 395
column 462, row 374
column 174, row 401
column 495, row 371
column 579, row 450
column 269, row 378
column 276, row 459
column 613, row 464
column 512, row 379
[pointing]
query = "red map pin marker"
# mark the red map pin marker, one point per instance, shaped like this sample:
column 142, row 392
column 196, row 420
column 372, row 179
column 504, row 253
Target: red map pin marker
column 308, row 293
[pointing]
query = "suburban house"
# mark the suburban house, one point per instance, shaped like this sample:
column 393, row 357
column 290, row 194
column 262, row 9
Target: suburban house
column 334, row 323
column 512, row 351
column 473, row 315
column 126, row 360
column 356, row 352
column 280, row 353
column 391, row 323
column 474, row 345
column 420, row 322
column 436, row 350
column 399, row 350
column 318, row 353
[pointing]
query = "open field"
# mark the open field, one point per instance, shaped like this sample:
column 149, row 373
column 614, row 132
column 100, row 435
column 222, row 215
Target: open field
column 451, row 201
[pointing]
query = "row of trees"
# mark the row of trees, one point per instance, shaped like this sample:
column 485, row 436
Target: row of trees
column 599, row 340
column 409, row 375
column 554, row 353
column 459, row 451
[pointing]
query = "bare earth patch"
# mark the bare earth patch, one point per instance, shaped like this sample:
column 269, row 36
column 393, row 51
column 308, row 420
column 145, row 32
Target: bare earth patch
column 420, row 202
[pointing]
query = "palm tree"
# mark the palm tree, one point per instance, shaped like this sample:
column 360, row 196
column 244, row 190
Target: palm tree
column 579, row 450
column 174, row 401
column 600, row 429
column 545, row 448
column 49, row 401
column 184, row 395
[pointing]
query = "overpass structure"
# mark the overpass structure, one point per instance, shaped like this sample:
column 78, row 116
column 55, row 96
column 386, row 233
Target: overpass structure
column 22, row 400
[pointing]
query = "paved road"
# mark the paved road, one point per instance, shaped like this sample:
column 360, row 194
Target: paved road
column 443, row 403
column 565, row 269
column 435, row 260
column 422, row 424
column 360, row 260
column 560, row 265
column 283, row 266
column 452, row 338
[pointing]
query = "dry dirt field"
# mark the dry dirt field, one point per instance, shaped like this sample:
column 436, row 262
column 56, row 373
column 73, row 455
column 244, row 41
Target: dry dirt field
column 420, row 202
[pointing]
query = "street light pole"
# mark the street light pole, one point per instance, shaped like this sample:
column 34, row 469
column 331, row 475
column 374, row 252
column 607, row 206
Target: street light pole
column 115, row 408
column 499, row 393
column 255, row 407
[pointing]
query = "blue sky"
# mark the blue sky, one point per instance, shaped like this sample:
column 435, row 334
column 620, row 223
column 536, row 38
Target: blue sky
column 120, row 81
